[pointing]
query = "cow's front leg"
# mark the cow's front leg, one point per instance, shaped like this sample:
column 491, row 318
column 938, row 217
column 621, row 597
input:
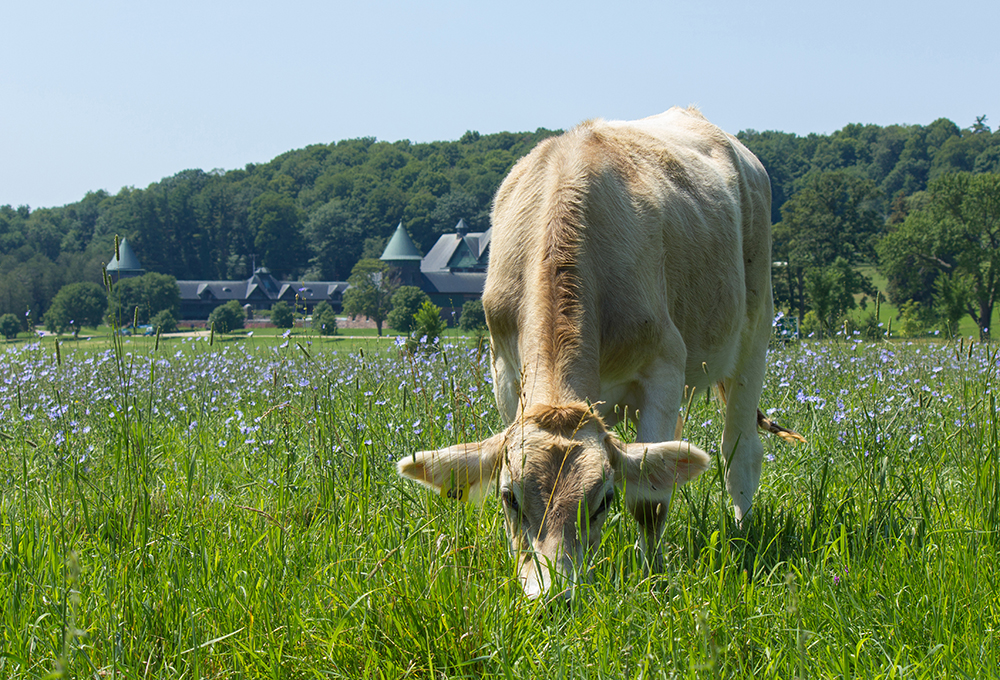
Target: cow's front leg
column 659, row 395
column 651, row 516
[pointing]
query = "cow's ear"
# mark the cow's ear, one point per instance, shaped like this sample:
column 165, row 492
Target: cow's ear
column 462, row 472
column 650, row 471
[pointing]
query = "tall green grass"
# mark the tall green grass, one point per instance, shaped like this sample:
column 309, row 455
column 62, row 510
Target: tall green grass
column 231, row 511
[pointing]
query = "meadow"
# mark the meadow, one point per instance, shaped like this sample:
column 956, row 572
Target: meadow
column 188, row 509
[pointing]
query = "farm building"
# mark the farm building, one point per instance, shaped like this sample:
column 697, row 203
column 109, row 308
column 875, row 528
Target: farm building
column 260, row 291
column 453, row 272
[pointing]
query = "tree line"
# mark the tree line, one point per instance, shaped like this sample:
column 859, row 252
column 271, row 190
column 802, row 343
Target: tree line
column 314, row 213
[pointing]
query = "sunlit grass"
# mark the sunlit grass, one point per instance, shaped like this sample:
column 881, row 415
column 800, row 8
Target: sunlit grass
column 231, row 510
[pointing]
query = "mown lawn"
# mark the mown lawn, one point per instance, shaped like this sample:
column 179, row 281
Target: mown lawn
column 231, row 511
column 102, row 338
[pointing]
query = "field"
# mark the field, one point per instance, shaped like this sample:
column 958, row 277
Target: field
column 230, row 510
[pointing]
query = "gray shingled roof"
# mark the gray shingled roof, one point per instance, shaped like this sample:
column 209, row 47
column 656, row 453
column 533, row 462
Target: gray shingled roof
column 262, row 286
column 457, row 282
column 401, row 247
column 474, row 247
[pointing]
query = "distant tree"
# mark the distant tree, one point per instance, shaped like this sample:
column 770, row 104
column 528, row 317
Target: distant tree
column 143, row 297
column 989, row 160
column 282, row 315
column 227, row 318
column 456, row 205
column 834, row 216
column 370, row 294
column 335, row 241
column 406, row 302
column 324, row 319
column 164, row 321
column 957, row 233
column 832, row 291
column 473, row 319
column 28, row 281
column 276, row 224
column 10, row 326
column 908, row 276
column 373, row 248
column 75, row 306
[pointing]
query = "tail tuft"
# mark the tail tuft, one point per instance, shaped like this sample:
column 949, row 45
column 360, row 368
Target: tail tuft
column 789, row 436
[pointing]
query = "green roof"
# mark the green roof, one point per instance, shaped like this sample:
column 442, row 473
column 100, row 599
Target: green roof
column 128, row 262
column 400, row 247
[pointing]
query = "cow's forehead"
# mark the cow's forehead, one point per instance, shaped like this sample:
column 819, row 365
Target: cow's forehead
column 541, row 460
column 565, row 420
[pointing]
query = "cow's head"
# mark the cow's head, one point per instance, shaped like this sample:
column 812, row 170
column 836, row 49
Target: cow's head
column 556, row 470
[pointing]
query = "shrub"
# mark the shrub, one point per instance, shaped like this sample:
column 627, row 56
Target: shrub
column 869, row 326
column 324, row 319
column 164, row 322
column 10, row 326
column 282, row 315
column 76, row 305
column 473, row 319
column 227, row 318
column 914, row 319
column 427, row 323
column 139, row 299
column 812, row 327
column 951, row 300
column 406, row 302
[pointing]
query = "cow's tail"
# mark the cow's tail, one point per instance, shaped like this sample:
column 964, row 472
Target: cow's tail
column 765, row 423
column 790, row 436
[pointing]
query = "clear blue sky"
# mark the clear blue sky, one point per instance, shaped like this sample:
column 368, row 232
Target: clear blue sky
column 102, row 94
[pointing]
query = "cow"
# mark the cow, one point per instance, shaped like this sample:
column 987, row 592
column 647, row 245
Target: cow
column 629, row 260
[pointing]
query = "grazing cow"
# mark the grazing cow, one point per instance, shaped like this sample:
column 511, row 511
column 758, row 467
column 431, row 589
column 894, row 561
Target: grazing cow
column 629, row 259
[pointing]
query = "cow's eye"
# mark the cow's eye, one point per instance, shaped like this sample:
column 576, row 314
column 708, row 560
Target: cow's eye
column 510, row 500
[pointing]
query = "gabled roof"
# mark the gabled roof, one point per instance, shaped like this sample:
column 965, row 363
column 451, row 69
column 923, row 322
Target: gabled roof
column 262, row 286
column 401, row 247
column 212, row 290
column 461, row 251
column 128, row 262
column 262, row 280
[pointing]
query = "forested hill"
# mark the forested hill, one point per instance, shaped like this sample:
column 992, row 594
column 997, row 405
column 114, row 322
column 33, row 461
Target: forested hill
column 309, row 213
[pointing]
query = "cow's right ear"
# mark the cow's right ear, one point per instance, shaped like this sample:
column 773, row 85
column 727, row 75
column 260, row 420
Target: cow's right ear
column 462, row 472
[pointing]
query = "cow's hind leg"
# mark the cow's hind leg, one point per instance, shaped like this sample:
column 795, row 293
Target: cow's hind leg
column 742, row 449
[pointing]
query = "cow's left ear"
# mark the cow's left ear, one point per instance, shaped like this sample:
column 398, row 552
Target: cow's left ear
column 650, row 471
column 462, row 472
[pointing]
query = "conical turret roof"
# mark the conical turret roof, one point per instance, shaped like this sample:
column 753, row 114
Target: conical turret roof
column 400, row 247
column 128, row 262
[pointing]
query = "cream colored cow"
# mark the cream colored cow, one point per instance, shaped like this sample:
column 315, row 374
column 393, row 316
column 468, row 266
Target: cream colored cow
column 628, row 259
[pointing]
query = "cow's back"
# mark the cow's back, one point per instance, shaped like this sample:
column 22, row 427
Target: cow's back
column 621, row 231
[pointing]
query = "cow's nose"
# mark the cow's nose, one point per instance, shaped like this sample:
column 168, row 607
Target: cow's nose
column 533, row 589
column 541, row 579
column 535, row 579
